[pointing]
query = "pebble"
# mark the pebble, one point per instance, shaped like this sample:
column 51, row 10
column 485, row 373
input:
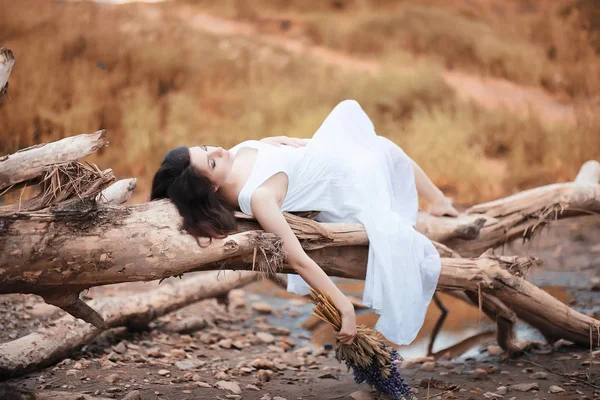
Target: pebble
column 428, row 366
column 133, row 395
column 253, row 387
column 490, row 395
column 502, row 390
column 228, row 385
column 494, row 350
column 262, row 308
column 361, row 395
column 112, row 378
column 555, row 389
column 178, row 353
column 480, row 374
column 526, row 387
column 120, row 348
column 225, row 343
column 163, row 372
column 264, row 375
column 539, row 375
column 265, row 337
column 279, row 398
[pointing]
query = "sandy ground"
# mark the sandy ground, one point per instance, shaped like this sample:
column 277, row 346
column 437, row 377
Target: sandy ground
column 266, row 354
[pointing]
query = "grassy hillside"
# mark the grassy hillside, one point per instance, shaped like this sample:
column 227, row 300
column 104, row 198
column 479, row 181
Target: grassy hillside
column 155, row 83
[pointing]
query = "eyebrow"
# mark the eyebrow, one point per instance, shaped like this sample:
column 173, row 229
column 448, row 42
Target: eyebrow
column 207, row 159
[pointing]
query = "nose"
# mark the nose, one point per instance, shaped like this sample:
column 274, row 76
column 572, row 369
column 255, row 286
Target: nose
column 216, row 151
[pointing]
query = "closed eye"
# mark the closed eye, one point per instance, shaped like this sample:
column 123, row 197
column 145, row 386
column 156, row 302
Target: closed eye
column 213, row 164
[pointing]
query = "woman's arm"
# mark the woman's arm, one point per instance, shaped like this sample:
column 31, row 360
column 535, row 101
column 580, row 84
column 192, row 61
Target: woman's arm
column 267, row 213
column 438, row 203
column 284, row 140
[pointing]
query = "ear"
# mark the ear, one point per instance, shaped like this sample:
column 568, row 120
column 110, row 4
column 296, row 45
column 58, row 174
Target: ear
column 215, row 188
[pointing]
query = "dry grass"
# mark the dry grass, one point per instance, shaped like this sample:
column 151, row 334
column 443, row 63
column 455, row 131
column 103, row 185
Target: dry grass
column 155, row 83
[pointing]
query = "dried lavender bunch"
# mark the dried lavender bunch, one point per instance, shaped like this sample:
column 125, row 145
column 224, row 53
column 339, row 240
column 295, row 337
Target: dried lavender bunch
column 370, row 359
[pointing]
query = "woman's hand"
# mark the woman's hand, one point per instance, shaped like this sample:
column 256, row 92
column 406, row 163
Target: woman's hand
column 284, row 140
column 347, row 333
column 443, row 207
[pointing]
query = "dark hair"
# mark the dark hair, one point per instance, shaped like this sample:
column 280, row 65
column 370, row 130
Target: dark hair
column 204, row 213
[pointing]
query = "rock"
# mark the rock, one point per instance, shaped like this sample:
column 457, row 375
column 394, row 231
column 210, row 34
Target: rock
column 480, row 374
column 112, row 378
column 120, row 348
column 502, row 390
column 262, row 308
column 279, row 398
column 428, row 366
column 539, row 375
column 526, row 387
column 490, row 369
column 361, row 395
column 225, row 343
column 595, row 284
column 233, row 396
column 43, row 310
column 228, row 385
column 221, row 375
column 490, row 395
column 253, row 387
column 178, row 353
column 186, row 365
column 238, row 344
column 72, row 372
column 264, row 375
column 494, row 350
column 327, row 375
column 187, row 325
column 265, row 337
column 114, row 357
column 262, row 363
column 203, row 384
column 406, row 364
column 555, row 389
column 133, row 395
column 163, row 372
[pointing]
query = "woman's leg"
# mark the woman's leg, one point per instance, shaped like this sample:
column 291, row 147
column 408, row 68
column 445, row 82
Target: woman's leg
column 438, row 203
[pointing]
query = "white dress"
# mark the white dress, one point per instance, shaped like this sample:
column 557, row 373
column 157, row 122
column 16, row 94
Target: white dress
column 350, row 174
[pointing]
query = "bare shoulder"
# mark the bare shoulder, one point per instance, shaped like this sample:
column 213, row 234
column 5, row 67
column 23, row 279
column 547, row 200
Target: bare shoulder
column 263, row 198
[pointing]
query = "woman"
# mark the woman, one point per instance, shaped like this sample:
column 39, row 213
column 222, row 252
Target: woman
column 348, row 174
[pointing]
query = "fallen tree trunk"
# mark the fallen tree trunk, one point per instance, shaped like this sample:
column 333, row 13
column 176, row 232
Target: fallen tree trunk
column 526, row 213
column 43, row 254
column 29, row 163
column 49, row 345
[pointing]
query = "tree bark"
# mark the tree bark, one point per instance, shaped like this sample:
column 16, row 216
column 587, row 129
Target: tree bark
column 29, row 163
column 117, row 193
column 49, row 345
column 44, row 255
column 524, row 214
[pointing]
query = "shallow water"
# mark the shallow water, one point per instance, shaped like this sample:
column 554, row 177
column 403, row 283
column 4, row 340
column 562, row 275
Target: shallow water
column 463, row 322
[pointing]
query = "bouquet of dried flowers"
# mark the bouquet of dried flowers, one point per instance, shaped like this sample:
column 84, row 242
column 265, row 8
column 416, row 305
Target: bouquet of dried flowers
column 370, row 359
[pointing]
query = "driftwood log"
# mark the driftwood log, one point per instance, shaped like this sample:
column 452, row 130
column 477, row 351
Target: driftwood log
column 59, row 250
column 52, row 344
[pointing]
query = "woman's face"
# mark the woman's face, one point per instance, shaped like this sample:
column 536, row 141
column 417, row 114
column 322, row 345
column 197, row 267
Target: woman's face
column 212, row 162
